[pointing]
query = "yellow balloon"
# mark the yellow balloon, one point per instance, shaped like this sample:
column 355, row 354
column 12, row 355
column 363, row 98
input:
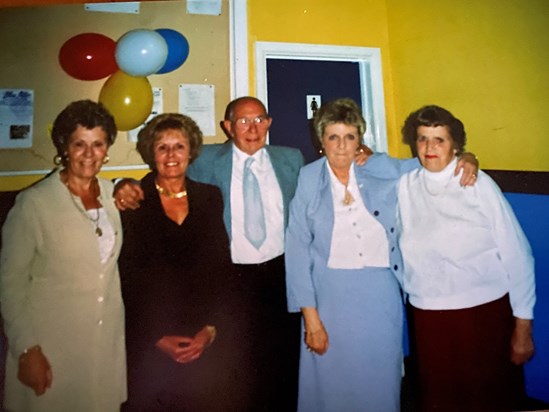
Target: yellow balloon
column 128, row 98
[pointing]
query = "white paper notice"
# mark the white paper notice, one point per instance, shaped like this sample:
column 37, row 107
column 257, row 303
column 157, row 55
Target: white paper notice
column 211, row 7
column 158, row 107
column 197, row 101
column 16, row 112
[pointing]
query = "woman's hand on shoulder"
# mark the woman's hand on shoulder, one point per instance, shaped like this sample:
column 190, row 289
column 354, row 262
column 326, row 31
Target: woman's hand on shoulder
column 362, row 154
column 128, row 194
column 469, row 163
column 522, row 344
column 35, row 370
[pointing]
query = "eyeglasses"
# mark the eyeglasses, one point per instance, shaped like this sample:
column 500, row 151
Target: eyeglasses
column 246, row 122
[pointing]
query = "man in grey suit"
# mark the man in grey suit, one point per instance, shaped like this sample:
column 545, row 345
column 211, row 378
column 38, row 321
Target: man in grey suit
column 269, row 335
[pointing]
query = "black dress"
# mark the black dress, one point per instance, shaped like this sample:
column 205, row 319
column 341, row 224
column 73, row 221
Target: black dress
column 176, row 280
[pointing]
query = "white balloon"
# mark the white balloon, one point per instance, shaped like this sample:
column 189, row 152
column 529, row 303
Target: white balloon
column 141, row 52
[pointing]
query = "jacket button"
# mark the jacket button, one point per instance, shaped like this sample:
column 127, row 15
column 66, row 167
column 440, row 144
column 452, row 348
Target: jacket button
column 395, row 267
column 376, row 212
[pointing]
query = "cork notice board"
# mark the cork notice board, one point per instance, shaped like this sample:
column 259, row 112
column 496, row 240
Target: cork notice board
column 30, row 39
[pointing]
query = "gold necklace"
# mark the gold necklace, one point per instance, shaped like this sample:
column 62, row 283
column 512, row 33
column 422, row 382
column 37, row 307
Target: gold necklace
column 171, row 195
column 98, row 230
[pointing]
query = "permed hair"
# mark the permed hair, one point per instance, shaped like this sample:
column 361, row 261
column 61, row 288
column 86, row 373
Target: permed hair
column 85, row 113
column 339, row 111
column 167, row 121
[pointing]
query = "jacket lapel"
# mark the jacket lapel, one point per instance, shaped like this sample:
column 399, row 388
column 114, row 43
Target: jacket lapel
column 223, row 169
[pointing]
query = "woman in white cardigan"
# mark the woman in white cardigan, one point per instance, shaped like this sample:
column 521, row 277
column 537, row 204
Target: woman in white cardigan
column 469, row 275
column 59, row 282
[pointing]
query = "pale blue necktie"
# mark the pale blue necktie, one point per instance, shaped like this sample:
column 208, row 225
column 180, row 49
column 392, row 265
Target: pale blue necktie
column 254, row 219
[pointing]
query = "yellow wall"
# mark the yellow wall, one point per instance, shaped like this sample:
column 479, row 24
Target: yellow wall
column 485, row 60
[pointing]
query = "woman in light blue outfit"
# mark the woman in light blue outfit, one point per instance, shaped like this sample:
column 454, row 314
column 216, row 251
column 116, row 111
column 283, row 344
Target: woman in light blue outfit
column 343, row 271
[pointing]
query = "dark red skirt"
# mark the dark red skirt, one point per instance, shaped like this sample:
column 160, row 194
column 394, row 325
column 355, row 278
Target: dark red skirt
column 464, row 359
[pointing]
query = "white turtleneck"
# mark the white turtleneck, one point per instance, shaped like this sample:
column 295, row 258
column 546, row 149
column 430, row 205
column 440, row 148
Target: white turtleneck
column 462, row 246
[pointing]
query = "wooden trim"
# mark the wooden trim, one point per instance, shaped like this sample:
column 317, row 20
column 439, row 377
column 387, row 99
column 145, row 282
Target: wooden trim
column 30, row 3
column 518, row 181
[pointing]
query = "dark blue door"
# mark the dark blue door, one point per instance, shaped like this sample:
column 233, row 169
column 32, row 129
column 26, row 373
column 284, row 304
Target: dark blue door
column 288, row 84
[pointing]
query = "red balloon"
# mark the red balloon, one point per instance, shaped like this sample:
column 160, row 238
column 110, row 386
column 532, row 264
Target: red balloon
column 88, row 56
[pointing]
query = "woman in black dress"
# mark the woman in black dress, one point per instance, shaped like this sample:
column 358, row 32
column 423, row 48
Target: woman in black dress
column 175, row 266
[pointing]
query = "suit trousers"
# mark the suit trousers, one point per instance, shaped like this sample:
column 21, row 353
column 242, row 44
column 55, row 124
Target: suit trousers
column 270, row 337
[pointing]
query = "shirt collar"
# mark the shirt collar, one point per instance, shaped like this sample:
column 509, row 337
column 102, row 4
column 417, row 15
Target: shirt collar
column 240, row 157
column 335, row 181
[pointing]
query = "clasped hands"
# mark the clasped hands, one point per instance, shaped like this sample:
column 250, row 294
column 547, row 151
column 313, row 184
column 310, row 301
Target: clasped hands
column 185, row 349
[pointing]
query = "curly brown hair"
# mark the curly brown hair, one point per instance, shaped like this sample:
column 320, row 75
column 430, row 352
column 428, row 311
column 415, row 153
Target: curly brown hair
column 433, row 116
column 85, row 113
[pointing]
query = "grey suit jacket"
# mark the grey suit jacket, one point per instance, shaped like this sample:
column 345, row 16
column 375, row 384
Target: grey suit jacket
column 215, row 163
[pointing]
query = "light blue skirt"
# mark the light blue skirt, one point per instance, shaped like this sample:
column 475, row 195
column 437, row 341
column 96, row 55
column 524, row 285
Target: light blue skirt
column 362, row 312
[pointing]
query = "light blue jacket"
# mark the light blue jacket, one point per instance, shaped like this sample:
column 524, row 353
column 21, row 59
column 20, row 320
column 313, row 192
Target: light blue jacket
column 309, row 233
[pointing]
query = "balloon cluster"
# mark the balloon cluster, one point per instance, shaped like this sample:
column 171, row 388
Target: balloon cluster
column 127, row 93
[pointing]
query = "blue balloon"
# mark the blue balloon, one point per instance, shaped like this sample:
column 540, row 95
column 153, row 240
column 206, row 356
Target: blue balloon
column 141, row 52
column 178, row 50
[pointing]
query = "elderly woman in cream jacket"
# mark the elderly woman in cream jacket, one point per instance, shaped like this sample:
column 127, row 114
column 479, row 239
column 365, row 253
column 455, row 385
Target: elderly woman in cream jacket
column 59, row 283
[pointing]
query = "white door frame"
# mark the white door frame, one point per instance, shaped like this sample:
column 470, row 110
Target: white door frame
column 238, row 35
column 371, row 79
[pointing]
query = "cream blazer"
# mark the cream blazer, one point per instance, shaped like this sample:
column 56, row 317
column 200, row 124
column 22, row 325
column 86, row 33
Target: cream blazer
column 55, row 292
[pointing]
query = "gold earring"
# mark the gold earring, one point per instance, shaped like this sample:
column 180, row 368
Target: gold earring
column 106, row 159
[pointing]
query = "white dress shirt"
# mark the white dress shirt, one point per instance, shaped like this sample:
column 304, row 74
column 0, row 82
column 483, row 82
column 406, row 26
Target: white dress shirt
column 358, row 239
column 242, row 251
column 462, row 246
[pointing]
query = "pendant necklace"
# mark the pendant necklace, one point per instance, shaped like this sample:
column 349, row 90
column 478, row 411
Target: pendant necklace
column 98, row 230
column 348, row 199
column 171, row 195
column 95, row 221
